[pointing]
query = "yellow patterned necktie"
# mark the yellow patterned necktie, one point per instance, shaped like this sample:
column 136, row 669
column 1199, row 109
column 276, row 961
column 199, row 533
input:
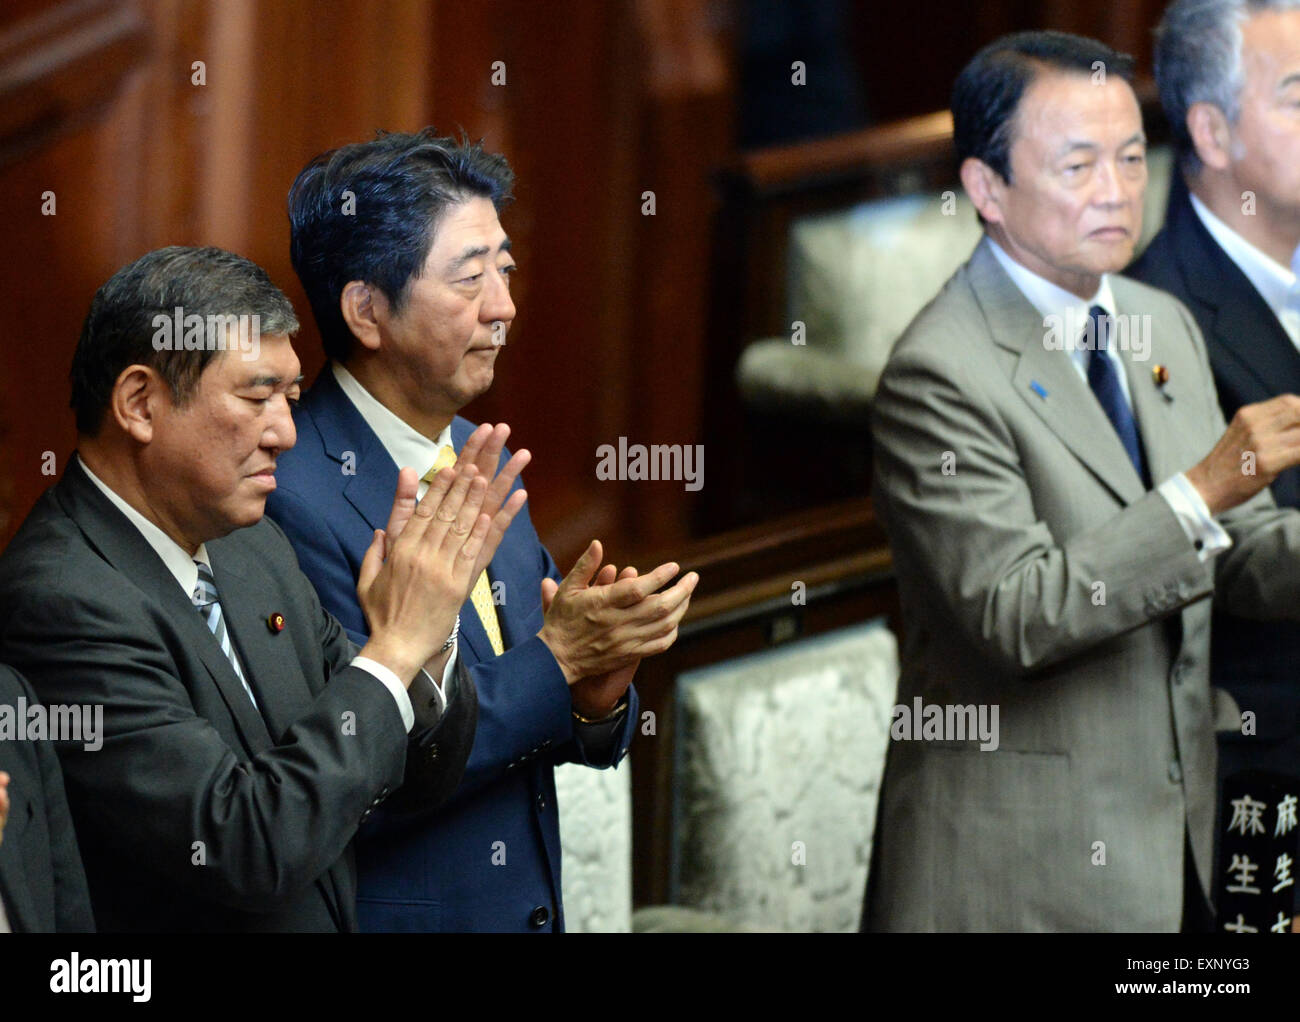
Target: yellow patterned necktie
column 481, row 597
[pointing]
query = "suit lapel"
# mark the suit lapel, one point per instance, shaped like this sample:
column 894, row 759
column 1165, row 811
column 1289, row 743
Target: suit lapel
column 120, row 544
column 472, row 632
column 1047, row 381
column 264, row 653
column 1154, row 406
column 370, row 491
column 511, row 568
column 1243, row 322
column 1247, row 327
column 355, row 446
column 514, row 583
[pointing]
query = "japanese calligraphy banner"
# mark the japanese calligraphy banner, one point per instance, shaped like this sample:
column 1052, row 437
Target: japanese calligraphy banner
column 1255, row 886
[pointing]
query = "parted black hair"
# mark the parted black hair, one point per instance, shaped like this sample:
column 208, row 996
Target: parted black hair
column 988, row 91
column 368, row 212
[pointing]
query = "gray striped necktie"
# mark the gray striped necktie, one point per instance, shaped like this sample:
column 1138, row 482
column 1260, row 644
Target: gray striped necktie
column 207, row 603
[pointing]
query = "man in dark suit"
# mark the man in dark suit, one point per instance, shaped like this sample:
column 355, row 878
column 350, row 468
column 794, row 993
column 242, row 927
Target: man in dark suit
column 1229, row 77
column 42, row 883
column 245, row 739
column 409, row 283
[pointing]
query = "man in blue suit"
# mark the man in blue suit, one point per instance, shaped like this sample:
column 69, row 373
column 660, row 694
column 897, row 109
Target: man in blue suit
column 400, row 250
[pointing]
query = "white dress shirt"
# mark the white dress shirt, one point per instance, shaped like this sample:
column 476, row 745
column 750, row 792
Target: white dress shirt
column 1051, row 300
column 408, row 447
column 1274, row 282
column 186, row 572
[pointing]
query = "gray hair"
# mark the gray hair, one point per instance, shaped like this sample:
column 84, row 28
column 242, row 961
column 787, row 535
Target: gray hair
column 1198, row 60
column 123, row 325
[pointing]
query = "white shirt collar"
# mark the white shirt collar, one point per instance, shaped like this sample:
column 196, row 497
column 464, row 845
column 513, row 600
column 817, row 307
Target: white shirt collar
column 1271, row 279
column 173, row 555
column 1052, row 299
column 404, row 444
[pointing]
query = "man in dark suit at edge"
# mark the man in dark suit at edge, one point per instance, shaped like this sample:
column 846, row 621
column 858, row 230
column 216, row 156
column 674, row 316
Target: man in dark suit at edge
column 42, row 883
column 245, row 739
column 1229, row 78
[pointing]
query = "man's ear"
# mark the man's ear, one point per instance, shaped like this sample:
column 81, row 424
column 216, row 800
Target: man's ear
column 358, row 304
column 985, row 187
column 136, row 400
column 1211, row 136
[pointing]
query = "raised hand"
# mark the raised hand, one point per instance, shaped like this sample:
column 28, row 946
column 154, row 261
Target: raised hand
column 411, row 587
column 593, row 629
column 482, row 450
column 1261, row 441
column 596, row 696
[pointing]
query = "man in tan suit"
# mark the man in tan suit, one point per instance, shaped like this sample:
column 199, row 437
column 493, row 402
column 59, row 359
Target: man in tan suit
column 1058, row 528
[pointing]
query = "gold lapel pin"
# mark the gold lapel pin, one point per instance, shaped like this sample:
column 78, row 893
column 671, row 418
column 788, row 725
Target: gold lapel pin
column 1160, row 374
column 276, row 623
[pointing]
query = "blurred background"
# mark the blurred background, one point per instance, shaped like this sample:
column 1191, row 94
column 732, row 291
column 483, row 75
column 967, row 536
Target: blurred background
column 626, row 321
column 805, row 205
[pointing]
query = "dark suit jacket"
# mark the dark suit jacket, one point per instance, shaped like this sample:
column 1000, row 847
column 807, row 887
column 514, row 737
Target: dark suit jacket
column 199, row 812
column 439, row 874
column 42, row 883
column 1253, row 359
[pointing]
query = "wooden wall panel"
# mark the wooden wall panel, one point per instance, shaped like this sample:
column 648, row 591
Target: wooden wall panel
column 66, row 72
column 603, row 101
column 560, row 378
column 908, row 59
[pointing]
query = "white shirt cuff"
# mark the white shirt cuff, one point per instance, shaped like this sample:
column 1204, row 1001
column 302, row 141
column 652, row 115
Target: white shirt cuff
column 1203, row 532
column 394, row 685
column 447, row 673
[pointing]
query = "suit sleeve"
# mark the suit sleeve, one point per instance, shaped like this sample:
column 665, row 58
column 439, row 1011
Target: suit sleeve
column 439, row 745
column 72, row 912
column 602, row 745
column 167, row 787
column 596, row 745
column 322, row 557
column 1015, row 590
column 1259, row 575
column 71, row 896
column 593, row 745
column 526, row 711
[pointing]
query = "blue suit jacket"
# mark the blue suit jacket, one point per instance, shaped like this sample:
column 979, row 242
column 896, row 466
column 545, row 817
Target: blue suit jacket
column 490, row 859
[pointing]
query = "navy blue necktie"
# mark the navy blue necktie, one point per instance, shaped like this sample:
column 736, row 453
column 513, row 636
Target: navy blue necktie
column 1103, row 378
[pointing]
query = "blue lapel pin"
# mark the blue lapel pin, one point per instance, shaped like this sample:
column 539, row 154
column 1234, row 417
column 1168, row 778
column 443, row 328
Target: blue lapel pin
column 1038, row 389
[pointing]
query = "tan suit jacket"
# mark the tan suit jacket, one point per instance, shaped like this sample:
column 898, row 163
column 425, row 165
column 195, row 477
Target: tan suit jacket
column 1036, row 573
